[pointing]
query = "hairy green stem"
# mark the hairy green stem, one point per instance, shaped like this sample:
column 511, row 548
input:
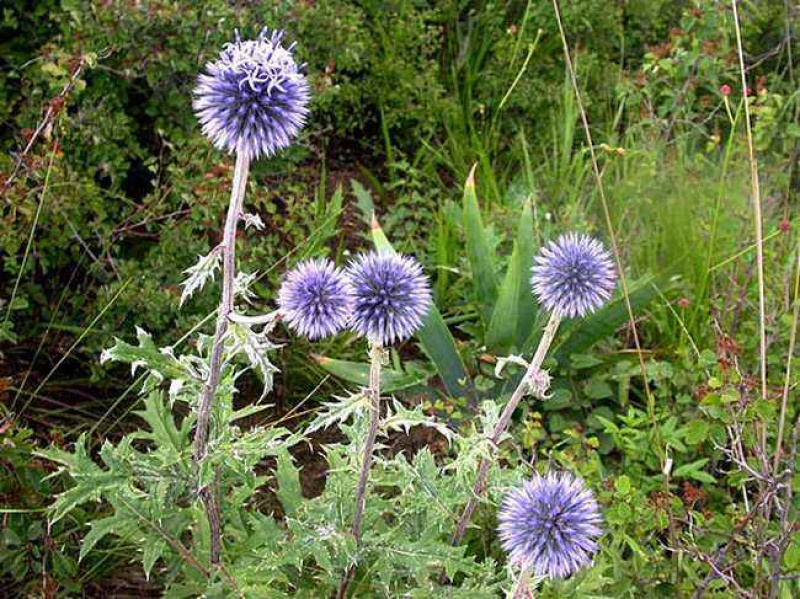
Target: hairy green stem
column 207, row 495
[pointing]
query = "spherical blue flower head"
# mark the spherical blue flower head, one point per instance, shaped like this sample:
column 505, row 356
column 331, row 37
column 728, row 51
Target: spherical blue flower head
column 252, row 100
column 551, row 523
column 315, row 299
column 391, row 296
column 573, row 275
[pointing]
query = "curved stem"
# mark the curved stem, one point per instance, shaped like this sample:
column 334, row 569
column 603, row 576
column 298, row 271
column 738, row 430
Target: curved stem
column 208, row 496
column 374, row 391
column 502, row 424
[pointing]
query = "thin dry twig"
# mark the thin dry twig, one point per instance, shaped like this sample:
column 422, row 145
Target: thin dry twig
column 756, row 191
column 787, row 378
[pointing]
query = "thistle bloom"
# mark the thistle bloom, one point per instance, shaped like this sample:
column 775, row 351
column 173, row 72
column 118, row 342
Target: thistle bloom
column 551, row 525
column 573, row 275
column 252, row 100
column 391, row 296
column 315, row 299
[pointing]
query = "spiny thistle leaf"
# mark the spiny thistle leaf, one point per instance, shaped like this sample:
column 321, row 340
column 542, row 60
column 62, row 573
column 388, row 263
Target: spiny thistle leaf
column 253, row 220
column 403, row 419
column 161, row 363
column 337, row 412
column 201, row 273
column 256, row 347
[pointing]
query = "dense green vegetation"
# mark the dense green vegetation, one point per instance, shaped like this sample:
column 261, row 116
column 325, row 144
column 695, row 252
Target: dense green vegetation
column 110, row 192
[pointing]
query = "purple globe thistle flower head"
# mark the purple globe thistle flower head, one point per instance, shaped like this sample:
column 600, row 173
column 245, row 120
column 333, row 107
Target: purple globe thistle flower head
column 252, row 100
column 391, row 296
column 573, row 275
column 315, row 299
column 551, row 524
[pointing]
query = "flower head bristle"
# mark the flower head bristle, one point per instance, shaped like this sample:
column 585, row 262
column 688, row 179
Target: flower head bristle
column 252, row 100
column 391, row 296
column 551, row 525
column 315, row 299
column 573, row 275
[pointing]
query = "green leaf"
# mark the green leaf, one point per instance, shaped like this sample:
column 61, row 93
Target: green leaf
column 791, row 559
column 478, row 251
column 164, row 433
column 503, row 327
column 358, row 373
column 364, row 201
column 696, row 432
column 201, row 273
column 435, row 337
column 336, row 412
column 154, row 548
column 403, row 419
column 288, row 491
column 161, row 363
column 693, row 470
column 99, row 529
column 597, row 388
column 256, row 347
column 585, row 332
column 527, row 305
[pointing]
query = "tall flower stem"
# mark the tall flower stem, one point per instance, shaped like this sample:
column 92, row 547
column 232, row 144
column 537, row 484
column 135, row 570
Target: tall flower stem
column 374, row 391
column 505, row 418
column 210, row 501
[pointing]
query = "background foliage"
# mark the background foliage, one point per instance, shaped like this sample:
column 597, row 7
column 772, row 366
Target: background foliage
column 119, row 193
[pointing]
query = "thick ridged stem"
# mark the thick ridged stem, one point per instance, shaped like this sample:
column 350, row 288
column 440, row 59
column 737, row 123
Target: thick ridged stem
column 374, row 391
column 208, row 495
column 502, row 424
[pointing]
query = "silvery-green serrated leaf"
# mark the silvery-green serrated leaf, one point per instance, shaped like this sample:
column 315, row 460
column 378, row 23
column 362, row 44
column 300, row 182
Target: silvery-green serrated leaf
column 175, row 387
column 153, row 549
column 99, row 529
column 253, row 220
column 337, row 412
column 289, row 492
column 403, row 419
column 256, row 347
column 200, row 273
column 241, row 285
column 160, row 363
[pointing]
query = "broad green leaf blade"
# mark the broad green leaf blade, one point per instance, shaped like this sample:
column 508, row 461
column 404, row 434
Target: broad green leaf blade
column 526, row 306
column 288, row 492
column 503, row 327
column 585, row 332
column 478, row 252
column 99, row 529
column 435, row 337
column 358, row 373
